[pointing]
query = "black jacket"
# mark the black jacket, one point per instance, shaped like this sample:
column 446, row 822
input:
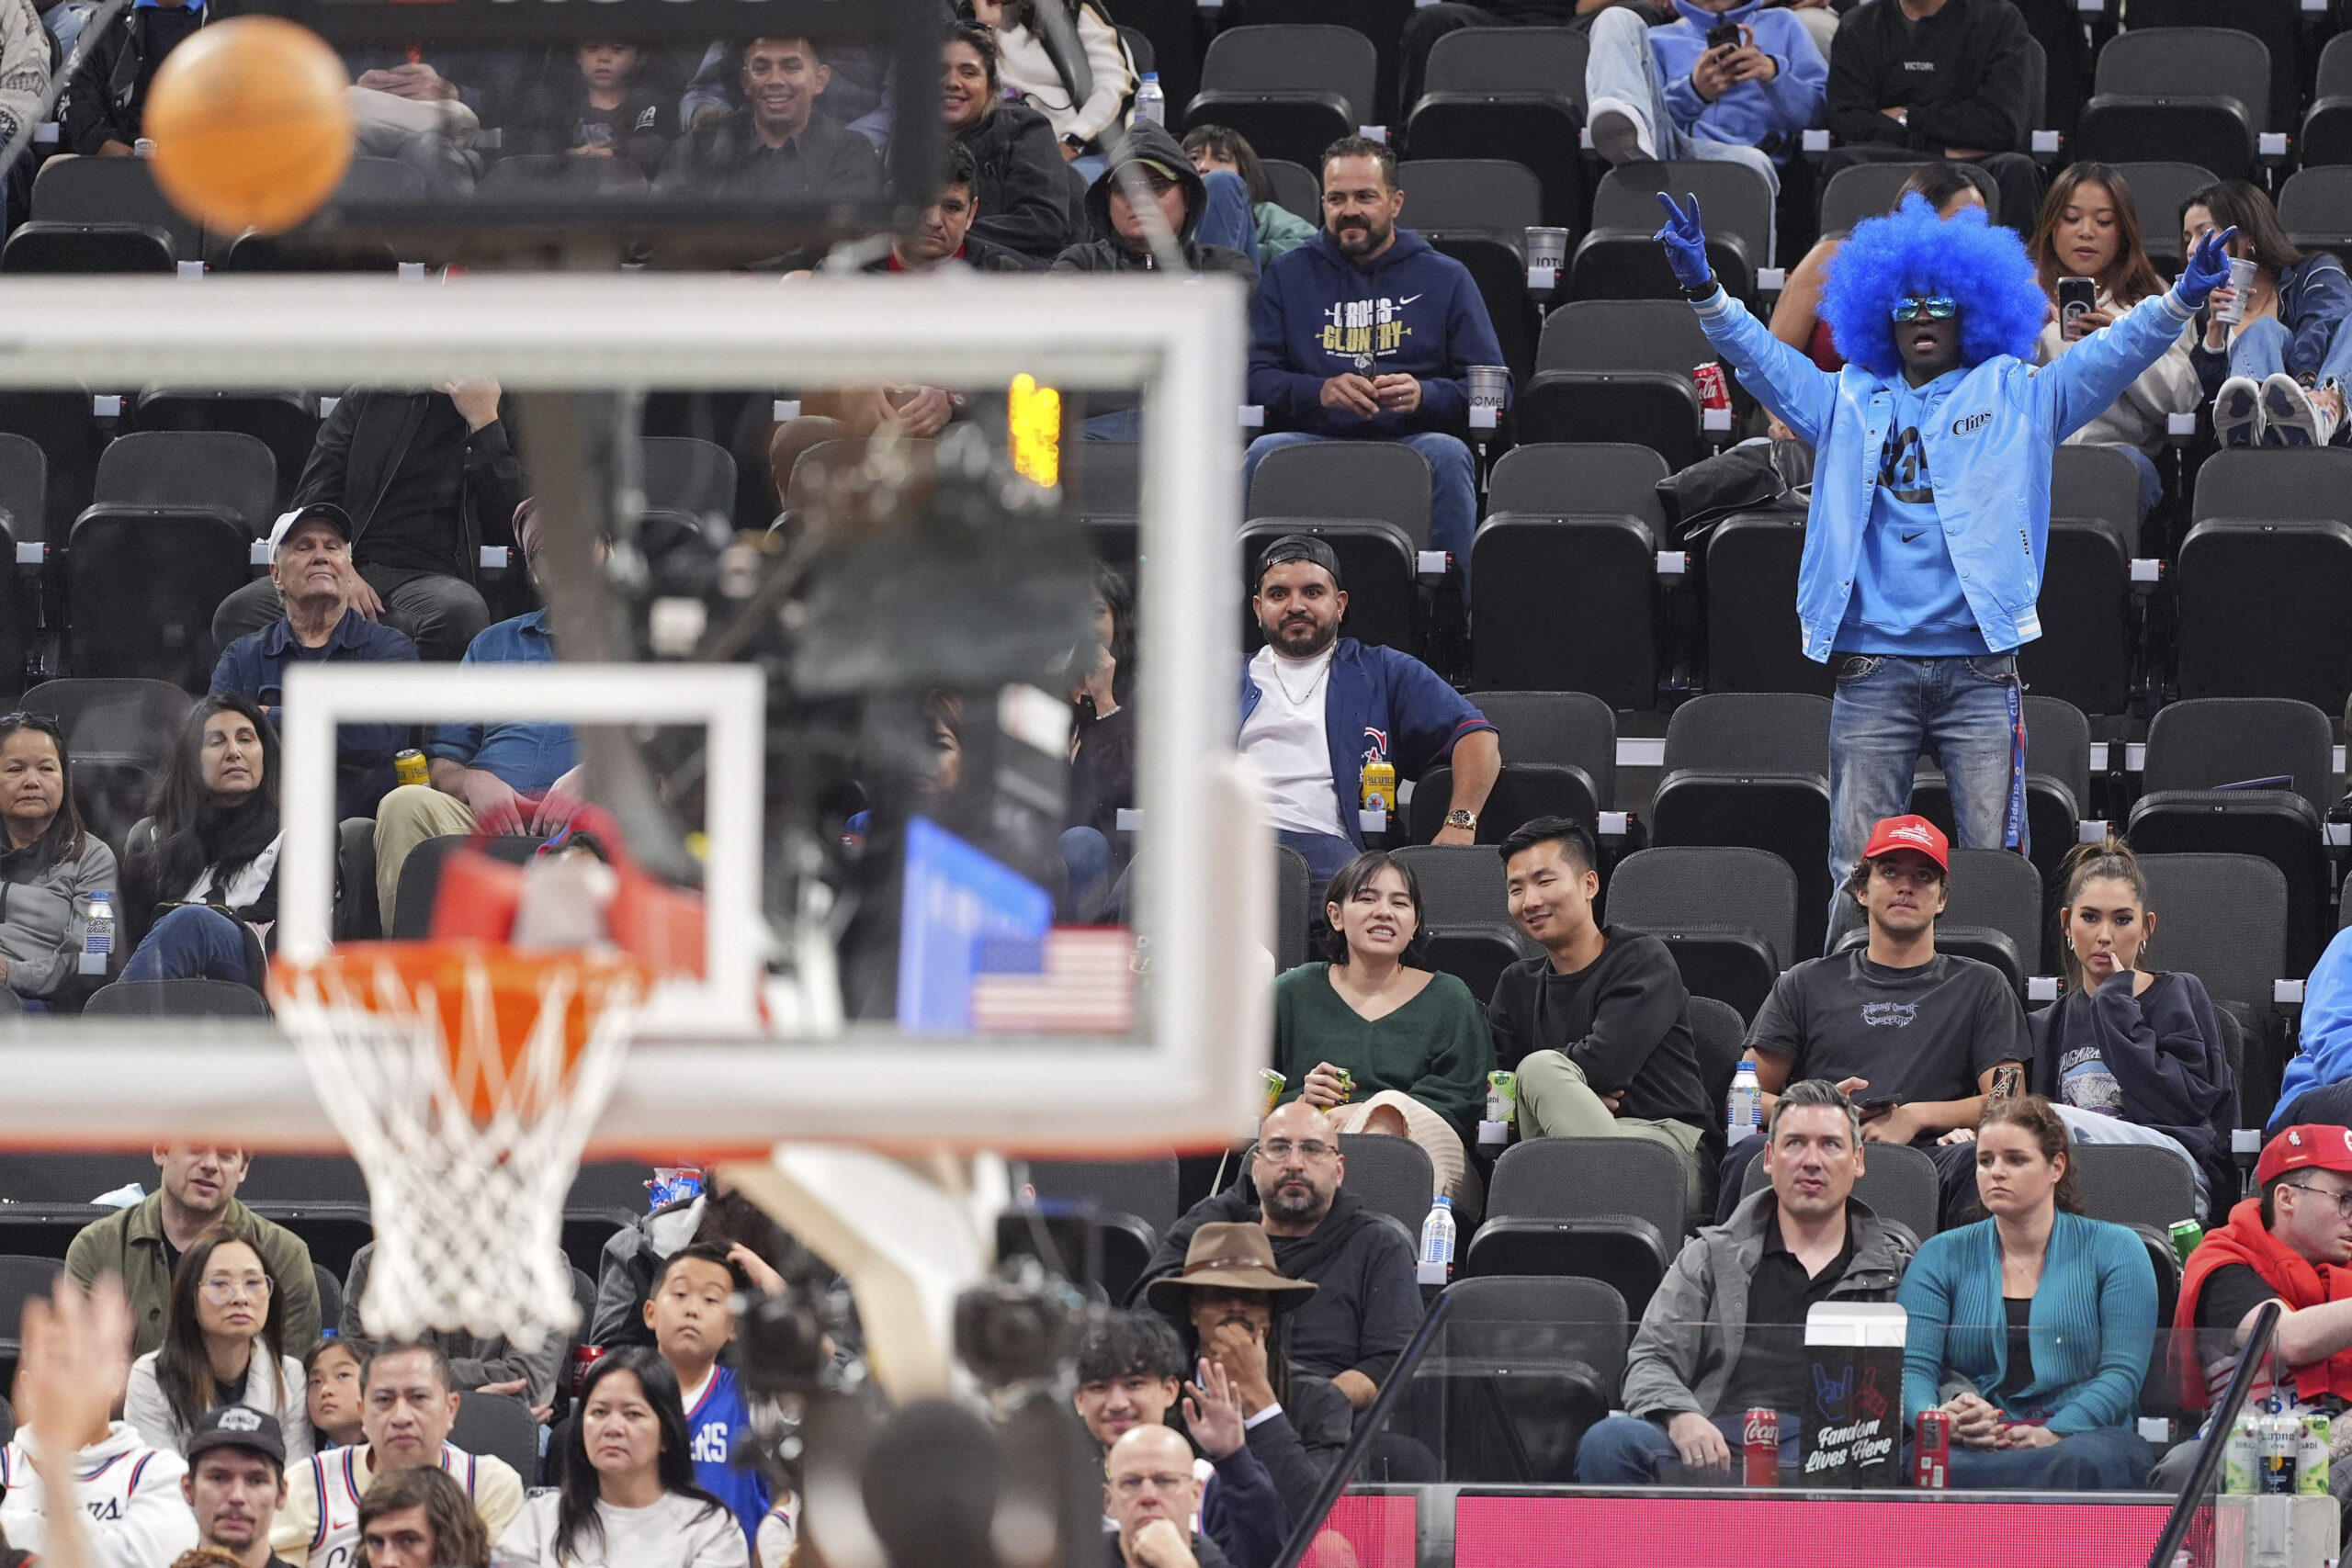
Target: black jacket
column 1299, row 1445
column 2164, row 1053
column 826, row 162
column 362, row 445
column 980, row 255
column 1366, row 1303
column 1628, row 1027
column 1106, row 252
column 1024, row 192
column 1959, row 76
column 106, row 97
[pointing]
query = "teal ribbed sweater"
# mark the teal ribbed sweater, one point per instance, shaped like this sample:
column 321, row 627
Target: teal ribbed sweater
column 2091, row 1326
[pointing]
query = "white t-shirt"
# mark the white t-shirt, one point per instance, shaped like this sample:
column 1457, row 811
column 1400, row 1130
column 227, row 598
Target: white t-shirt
column 1284, row 744
column 674, row 1533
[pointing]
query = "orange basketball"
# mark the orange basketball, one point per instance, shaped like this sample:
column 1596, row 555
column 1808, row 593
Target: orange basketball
column 250, row 124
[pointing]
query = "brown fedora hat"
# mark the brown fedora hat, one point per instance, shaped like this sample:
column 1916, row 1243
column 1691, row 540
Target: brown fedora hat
column 1228, row 1256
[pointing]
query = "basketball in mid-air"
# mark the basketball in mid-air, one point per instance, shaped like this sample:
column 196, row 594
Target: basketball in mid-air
column 250, row 125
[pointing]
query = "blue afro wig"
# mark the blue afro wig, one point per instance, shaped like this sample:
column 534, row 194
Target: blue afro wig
column 1912, row 250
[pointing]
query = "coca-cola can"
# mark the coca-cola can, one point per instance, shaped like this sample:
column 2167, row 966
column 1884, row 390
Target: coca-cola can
column 1714, row 392
column 1931, row 1455
column 1759, row 1446
column 582, row 1358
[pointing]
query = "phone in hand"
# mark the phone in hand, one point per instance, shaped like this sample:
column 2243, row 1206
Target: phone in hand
column 1873, row 1106
column 2076, row 297
column 1723, row 35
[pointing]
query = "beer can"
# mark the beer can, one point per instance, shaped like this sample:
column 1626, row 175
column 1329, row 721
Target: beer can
column 582, row 1358
column 409, row 767
column 2238, row 1457
column 2008, row 1082
column 1760, row 1447
column 1379, row 786
column 1502, row 1097
column 1275, row 1083
column 1347, row 1085
column 1715, row 391
column 2186, row 1235
column 2276, row 1437
column 2311, row 1454
column 1931, row 1452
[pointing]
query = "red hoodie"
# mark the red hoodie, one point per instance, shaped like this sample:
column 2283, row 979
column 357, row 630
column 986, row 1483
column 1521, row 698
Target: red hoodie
column 2300, row 1283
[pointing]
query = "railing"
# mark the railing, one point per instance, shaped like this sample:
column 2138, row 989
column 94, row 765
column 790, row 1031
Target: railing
column 2217, row 1437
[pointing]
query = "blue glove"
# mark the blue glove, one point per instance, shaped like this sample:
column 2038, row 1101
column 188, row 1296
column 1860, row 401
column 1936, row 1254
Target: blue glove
column 1685, row 242
column 2207, row 268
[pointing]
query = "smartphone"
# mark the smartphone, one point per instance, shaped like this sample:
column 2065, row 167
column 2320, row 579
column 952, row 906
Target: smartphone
column 2077, row 296
column 1874, row 1106
column 1723, row 35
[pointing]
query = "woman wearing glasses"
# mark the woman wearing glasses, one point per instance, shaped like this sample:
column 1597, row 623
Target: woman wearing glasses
column 224, row 1344
column 51, row 867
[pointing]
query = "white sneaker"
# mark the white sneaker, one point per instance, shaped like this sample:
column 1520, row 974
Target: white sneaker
column 2292, row 416
column 1620, row 132
column 2238, row 412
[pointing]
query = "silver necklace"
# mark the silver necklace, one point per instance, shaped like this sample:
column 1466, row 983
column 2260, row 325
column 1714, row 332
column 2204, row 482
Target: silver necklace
column 1297, row 699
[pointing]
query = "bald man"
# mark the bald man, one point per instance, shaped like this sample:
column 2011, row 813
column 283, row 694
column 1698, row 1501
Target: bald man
column 1366, row 1304
column 1148, row 1491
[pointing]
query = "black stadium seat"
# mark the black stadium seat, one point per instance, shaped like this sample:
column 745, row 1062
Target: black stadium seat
column 1509, row 92
column 176, row 998
column 1478, row 210
column 1380, row 21
column 1292, row 90
column 1727, row 914
column 2326, row 136
column 1554, row 478
column 1346, row 479
column 2135, row 1184
column 61, row 424
column 2315, row 208
column 118, row 733
column 1391, row 1176
column 1465, row 914
column 1868, row 190
column 1294, row 908
column 1621, row 258
column 1569, row 604
column 679, row 473
column 286, row 423
column 2097, row 482
column 232, row 473
column 1751, row 769
column 142, row 582
column 1524, row 1368
column 1753, row 640
column 23, row 486
column 1567, row 729
column 71, row 189
column 2293, row 579
column 1618, row 370
column 2190, row 95
column 1297, row 187
column 1608, row 1209
column 87, row 248
column 2223, row 918
column 2158, row 189
column 2090, row 622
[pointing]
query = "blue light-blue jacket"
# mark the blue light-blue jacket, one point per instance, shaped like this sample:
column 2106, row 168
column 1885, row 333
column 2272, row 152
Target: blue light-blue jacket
column 1751, row 114
column 1989, row 448
column 2327, row 1055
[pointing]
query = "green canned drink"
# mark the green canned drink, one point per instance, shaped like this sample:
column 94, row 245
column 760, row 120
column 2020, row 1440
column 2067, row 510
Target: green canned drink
column 2238, row 1458
column 1347, row 1086
column 2186, row 1235
column 1502, row 1097
column 1274, row 1082
column 2310, row 1456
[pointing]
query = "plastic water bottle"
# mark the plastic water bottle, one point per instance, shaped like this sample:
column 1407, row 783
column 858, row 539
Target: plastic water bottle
column 1747, row 1108
column 97, row 934
column 1437, row 1242
column 1152, row 104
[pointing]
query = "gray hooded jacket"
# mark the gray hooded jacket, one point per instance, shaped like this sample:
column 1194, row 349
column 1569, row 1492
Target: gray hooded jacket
column 1691, row 1332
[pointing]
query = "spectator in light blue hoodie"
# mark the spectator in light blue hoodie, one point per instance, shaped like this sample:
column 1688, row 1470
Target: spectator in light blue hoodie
column 2318, row 1081
column 1664, row 92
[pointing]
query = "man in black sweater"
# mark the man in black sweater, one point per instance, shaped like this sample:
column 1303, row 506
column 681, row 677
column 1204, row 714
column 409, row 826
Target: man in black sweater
column 1366, row 1303
column 1927, row 78
column 777, row 145
column 106, row 98
column 1599, row 1028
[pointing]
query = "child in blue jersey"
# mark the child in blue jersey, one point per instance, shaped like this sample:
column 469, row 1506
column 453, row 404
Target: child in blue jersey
column 691, row 1314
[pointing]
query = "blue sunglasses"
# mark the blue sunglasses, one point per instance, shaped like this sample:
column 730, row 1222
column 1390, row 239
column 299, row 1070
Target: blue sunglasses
column 1938, row 307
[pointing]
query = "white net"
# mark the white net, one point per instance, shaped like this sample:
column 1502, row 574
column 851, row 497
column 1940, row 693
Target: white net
column 469, row 1213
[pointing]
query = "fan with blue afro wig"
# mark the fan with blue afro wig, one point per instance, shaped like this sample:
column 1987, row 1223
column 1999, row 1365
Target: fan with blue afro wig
column 1983, row 267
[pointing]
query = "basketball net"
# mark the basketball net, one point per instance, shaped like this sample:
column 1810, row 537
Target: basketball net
column 466, row 1076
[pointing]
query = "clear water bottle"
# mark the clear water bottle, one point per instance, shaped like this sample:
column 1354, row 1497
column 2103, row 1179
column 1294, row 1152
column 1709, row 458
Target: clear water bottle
column 1437, row 1242
column 1152, row 104
column 97, row 934
column 1747, row 1107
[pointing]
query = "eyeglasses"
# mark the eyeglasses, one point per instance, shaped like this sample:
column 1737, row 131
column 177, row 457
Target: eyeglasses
column 1937, row 307
column 1280, row 1149
column 2343, row 1201
column 222, row 1288
column 1133, row 1485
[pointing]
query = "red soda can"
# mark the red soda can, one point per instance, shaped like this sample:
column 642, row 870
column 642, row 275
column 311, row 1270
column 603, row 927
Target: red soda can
column 1714, row 392
column 582, row 1358
column 1759, row 1443
column 1932, row 1453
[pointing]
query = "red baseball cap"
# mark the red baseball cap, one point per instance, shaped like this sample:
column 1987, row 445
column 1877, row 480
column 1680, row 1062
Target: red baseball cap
column 1891, row 833
column 2313, row 1146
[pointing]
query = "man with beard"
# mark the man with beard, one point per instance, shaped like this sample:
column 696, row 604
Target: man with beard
column 1365, row 1304
column 1366, row 333
column 1317, row 708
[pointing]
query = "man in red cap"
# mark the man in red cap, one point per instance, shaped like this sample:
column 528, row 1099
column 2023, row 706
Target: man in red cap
column 1912, row 1034
column 2292, row 1245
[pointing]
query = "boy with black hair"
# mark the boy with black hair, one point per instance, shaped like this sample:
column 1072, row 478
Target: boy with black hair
column 1599, row 1028
column 692, row 1314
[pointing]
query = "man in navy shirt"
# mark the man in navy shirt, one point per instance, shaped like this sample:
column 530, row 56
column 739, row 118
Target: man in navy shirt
column 507, row 777
column 309, row 565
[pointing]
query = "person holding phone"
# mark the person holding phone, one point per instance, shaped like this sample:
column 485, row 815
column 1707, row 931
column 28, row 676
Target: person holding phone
column 2089, row 256
column 1731, row 79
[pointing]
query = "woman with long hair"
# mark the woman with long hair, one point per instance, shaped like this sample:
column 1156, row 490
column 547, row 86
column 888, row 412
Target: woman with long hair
column 2130, row 1054
column 2044, row 1316
column 1413, row 1042
column 628, row 1497
column 2274, row 376
column 50, row 866
column 1030, row 62
column 1027, row 195
column 200, row 879
column 225, row 1343
column 2089, row 227
column 1217, row 149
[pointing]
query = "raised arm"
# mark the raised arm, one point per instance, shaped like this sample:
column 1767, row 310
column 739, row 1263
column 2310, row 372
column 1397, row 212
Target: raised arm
column 2086, row 379
column 1781, row 377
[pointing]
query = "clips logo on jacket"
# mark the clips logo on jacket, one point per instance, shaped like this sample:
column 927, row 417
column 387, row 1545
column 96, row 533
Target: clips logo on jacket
column 1968, row 424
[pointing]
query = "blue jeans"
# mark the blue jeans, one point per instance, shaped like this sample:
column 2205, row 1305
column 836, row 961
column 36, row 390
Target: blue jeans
column 2105, row 1459
column 1229, row 219
column 1890, row 710
column 2260, row 350
column 1120, row 425
column 192, row 942
column 1088, row 855
column 1453, row 485
column 1621, row 67
column 1325, row 855
column 1628, row 1450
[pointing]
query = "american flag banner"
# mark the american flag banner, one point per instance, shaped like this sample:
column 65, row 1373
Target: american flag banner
column 1078, row 980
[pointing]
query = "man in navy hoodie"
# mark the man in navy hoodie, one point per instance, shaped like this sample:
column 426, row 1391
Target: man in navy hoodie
column 1365, row 334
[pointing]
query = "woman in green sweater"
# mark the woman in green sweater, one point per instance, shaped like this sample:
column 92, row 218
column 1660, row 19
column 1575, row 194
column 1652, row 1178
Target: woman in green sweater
column 1415, row 1041
column 2037, row 1321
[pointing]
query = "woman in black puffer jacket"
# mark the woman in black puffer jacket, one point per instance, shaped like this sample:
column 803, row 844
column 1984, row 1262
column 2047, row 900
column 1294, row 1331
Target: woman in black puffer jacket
column 1028, row 197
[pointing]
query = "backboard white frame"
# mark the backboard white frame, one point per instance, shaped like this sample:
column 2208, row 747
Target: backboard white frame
column 1190, row 1082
